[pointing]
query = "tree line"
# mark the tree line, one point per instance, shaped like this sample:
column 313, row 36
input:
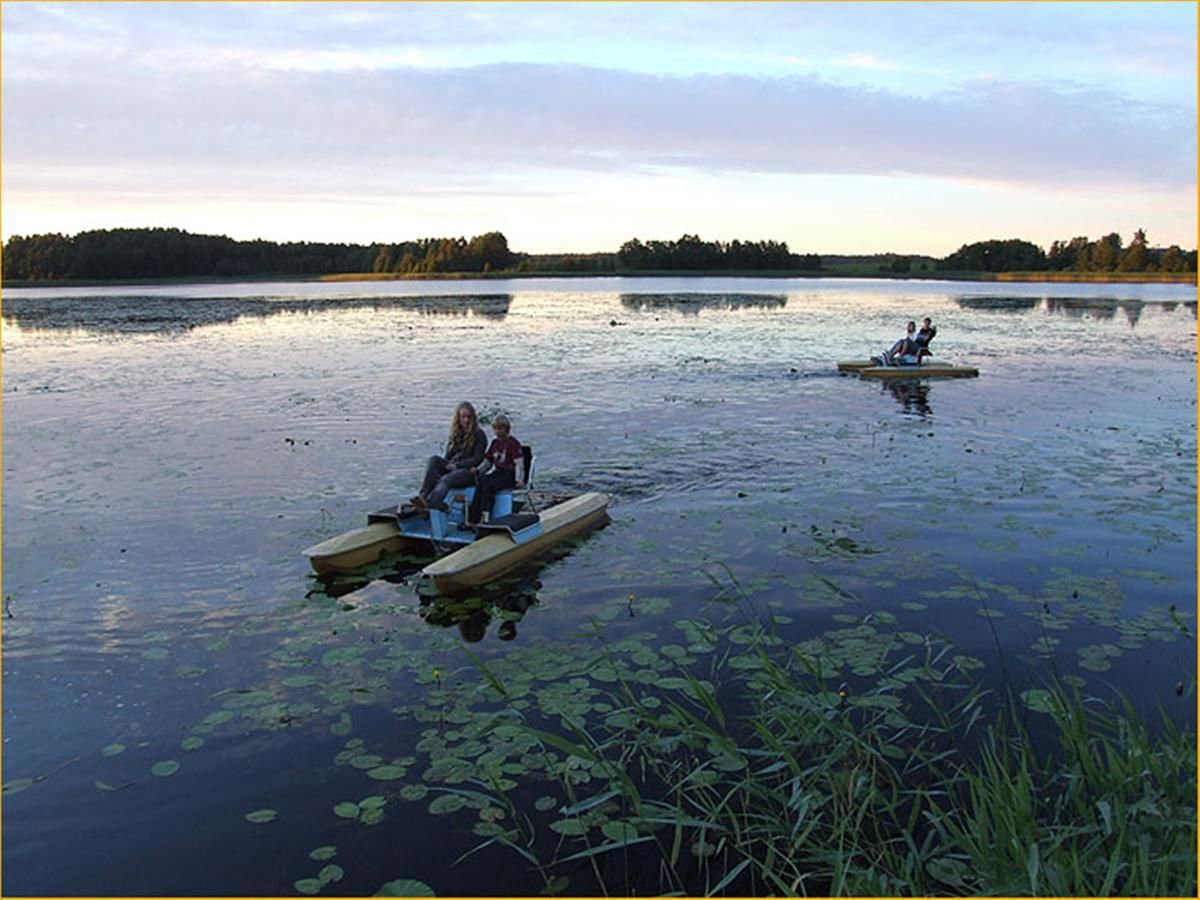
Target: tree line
column 134, row 253
column 1079, row 254
column 690, row 253
column 131, row 253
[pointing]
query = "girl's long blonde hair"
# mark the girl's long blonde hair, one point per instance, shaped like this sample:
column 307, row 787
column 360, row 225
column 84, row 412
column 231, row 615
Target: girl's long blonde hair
column 460, row 437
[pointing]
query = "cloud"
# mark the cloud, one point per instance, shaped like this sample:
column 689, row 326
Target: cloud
column 865, row 61
column 361, row 129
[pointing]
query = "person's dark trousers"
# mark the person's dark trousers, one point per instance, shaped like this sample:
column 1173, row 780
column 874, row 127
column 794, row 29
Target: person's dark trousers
column 489, row 486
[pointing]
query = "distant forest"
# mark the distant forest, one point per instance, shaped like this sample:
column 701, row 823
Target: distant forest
column 1076, row 255
column 147, row 253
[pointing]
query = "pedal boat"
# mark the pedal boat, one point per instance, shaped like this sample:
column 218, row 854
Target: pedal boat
column 468, row 556
column 928, row 369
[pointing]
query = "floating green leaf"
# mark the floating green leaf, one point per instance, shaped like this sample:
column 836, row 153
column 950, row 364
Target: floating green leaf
column 413, row 792
column 570, row 827
column 320, row 854
column 308, row 886
column 387, row 773
column 405, row 887
column 300, row 681
column 191, row 743
column 447, row 803
column 330, row 873
column 262, row 816
column 619, row 832
column 371, row 816
column 545, row 804
column 346, row 810
column 1038, row 700
column 165, row 768
column 112, row 749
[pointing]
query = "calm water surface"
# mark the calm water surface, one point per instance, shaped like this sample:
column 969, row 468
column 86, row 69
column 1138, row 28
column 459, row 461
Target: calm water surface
column 170, row 665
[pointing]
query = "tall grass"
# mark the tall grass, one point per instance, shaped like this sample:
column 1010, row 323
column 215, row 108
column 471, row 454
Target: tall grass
column 769, row 775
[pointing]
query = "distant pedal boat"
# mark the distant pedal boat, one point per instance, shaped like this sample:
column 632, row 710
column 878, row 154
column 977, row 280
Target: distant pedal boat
column 480, row 555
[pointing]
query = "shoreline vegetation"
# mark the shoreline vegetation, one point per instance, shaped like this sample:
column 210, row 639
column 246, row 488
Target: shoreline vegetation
column 132, row 256
column 505, row 275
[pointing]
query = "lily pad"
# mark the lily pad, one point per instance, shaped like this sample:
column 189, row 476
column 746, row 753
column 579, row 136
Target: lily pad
column 320, row 854
column 1038, row 700
column 413, row 792
column 387, row 773
column 447, row 803
column 308, row 886
column 569, row 827
column 262, row 816
column 191, row 743
column 165, row 768
column 331, row 873
column 346, row 810
column 405, row 887
column 112, row 749
column 619, row 832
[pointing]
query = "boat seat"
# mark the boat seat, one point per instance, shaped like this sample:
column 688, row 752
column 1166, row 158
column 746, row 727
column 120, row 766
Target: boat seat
column 521, row 527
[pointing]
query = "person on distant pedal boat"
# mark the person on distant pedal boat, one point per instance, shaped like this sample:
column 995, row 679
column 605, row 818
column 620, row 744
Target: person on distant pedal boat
column 891, row 356
column 464, row 450
column 906, row 345
column 498, row 471
column 922, row 338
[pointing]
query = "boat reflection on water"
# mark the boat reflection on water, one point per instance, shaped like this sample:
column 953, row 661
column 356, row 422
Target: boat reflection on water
column 505, row 601
column 472, row 615
column 393, row 569
column 912, row 395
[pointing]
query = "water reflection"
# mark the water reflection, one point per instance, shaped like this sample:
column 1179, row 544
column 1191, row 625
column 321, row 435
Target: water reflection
column 164, row 315
column 1070, row 307
column 1094, row 308
column 691, row 304
column 999, row 304
column 472, row 615
column 913, row 396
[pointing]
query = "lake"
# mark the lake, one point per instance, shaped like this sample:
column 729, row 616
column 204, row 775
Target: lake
column 188, row 710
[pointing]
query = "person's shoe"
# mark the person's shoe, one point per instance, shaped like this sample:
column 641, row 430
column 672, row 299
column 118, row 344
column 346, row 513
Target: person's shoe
column 418, row 502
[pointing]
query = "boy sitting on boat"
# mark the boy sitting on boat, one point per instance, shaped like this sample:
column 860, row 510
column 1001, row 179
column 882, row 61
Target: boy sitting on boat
column 498, row 471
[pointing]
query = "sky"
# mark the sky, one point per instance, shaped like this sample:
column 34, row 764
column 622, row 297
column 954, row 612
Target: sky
column 838, row 127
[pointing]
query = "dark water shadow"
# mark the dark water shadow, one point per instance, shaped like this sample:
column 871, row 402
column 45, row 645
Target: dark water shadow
column 143, row 314
column 692, row 304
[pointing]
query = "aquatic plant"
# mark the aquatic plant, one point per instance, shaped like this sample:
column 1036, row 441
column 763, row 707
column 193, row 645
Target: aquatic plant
column 818, row 788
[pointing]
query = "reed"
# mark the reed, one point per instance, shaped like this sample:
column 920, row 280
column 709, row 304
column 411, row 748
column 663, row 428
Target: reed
column 767, row 774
